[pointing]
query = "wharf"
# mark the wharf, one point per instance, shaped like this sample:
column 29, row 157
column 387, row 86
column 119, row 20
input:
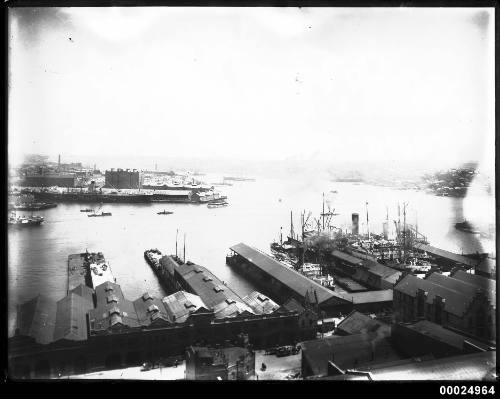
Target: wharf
column 77, row 271
column 90, row 269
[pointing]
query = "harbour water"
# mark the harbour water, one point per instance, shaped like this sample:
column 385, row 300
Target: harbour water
column 257, row 210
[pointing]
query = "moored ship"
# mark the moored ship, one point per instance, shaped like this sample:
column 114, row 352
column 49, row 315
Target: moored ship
column 466, row 227
column 24, row 221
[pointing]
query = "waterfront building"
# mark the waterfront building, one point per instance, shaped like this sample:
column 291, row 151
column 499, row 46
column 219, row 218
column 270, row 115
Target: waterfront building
column 49, row 180
column 282, row 283
column 95, row 329
column 122, row 179
column 460, row 301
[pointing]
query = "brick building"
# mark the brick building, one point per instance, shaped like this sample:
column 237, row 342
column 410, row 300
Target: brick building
column 461, row 301
column 122, row 179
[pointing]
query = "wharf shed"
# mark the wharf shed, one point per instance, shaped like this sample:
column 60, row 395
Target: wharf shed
column 282, row 283
column 447, row 258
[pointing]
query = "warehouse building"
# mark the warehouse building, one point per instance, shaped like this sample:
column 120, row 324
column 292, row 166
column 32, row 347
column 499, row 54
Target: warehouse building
column 461, row 301
column 122, row 179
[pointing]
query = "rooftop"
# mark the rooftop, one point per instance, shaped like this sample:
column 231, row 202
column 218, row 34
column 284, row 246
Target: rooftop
column 347, row 352
column 260, row 303
column 180, row 305
column 290, row 278
column 439, row 333
column 357, row 322
column 346, row 257
column 446, row 254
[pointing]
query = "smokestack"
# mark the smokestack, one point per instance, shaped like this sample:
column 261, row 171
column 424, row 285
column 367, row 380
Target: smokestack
column 355, row 224
column 59, row 160
column 385, row 227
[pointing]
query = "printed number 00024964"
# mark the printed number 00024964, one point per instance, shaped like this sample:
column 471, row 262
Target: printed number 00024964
column 467, row 390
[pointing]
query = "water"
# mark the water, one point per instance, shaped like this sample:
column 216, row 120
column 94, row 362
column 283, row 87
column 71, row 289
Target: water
column 257, row 210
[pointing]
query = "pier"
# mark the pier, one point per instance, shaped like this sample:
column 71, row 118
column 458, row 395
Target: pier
column 89, row 269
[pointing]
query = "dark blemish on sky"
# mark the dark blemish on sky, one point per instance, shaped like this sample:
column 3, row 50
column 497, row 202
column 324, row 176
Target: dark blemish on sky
column 481, row 20
column 32, row 22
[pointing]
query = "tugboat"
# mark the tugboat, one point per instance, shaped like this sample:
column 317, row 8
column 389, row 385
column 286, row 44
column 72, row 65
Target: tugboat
column 164, row 212
column 95, row 214
column 87, row 210
column 466, row 227
column 24, row 220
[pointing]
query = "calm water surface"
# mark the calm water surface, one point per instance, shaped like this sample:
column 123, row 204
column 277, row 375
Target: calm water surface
column 38, row 255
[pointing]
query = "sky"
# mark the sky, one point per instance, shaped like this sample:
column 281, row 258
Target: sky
column 253, row 84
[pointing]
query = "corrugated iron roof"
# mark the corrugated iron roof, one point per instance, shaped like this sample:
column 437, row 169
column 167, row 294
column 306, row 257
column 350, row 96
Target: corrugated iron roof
column 146, row 306
column 181, row 304
column 71, row 318
column 357, row 322
column 260, row 303
column 36, row 318
column 456, row 302
column 369, row 296
column 290, row 278
column 474, row 279
column 346, row 257
column 347, row 352
column 207, row 286
column 439, row 333
column 446, row 254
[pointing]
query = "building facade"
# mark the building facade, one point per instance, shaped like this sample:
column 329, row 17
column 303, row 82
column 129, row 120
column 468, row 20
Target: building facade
column 461, row 301
column 122, row 179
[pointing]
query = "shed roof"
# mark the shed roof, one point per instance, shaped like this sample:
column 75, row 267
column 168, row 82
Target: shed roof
column 446, row 254
column 146, row 306
column 71, row 318
column 181, row 304
column 439, row 333
column 357, row 322
column 369, row 296
column 207, row 286
column 456, row 302
column 347, row 351
column 36, row 318
column 260, row 303
column 475, row 279
column 292, row 279
column 346, row 257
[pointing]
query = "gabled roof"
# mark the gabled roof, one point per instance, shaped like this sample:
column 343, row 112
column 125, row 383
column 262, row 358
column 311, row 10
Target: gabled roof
column 357, row 322
column 148, row 308
column 477, row 280
column 181, row 305
column 347, row 351
column 456, row 302
column 260, row 303
column 85, row 292
column 36, row 318
column 207, row 286
column 465, row 285
column 292, row 279
column 71, row 318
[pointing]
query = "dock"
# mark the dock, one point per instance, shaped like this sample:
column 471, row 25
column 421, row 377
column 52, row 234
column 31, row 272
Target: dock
column 89, row 269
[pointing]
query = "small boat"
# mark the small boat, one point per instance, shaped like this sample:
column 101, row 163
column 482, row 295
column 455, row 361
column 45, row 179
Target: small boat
column 466, row 227
column 164, row 212
column 86, row 210
column 99, row 214
column 217, row 204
